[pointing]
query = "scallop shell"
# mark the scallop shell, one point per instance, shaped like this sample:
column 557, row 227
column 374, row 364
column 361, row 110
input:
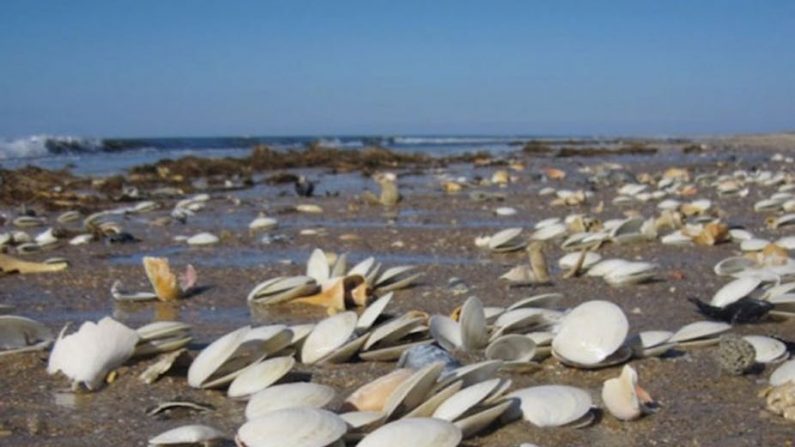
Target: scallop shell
column 295, row 427
column 289, row 395
column 415, row 432
column 327, row 336
column 591, row 332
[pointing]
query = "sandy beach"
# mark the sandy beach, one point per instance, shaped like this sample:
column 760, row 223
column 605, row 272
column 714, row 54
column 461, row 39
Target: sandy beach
column 431, row 229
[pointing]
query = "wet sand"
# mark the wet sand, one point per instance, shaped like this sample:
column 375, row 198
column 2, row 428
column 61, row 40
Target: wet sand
column 430, row 229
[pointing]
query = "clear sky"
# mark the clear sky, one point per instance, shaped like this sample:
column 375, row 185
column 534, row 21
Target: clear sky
column 201, row 68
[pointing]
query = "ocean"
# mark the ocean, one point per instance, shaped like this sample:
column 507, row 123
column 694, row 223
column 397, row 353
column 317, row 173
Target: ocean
column 108, row 156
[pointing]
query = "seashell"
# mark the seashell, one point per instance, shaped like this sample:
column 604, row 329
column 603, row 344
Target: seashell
column 676, row 238
column 411, row 392
column 780, row 221
column 547, row 222
column 394, row 329
column 89, row 354
column 289, row 395
column 768, row 349
column 330, row 295
column 395, row 278
column 739, row 234
column 163, row 364
column 164, row 282
column 446, row 332
column 511, row 348
column 570, row 260
column 785, row 373
column 733, row 265
column 506, row 240
column 549, row 232
column 415, row 432
column 472, row 374
column 735, row 291
column 553, row 405
column 472, row 424
column 651, row 343
column 628, row 231
column 46, row 238
column 542, row 300
column 317, row 267
column 28, row 221
column 630, row 273
column 465, row 399
column 68, row 216
column 505, row 211
column 188, row 434
column 753, row 244
column 372, row 312
column 295, row 427
column 606, row 266
column 768, row 205
column 418, row 357
column 161, row 329
column 430, row 405
column 787, row 242
column 203, row 239
column 712, row 233
column 623, row 397
column 473, row 325
column 373, row 396
column 669, row 204
column 259, row 376
column 590, row 333
column 20, row 334
column 698, row 333
column 523, row 319
column 81, row 239
column 309, row 208
column 212, row 358
column 329, row 335
column 263, row 223
column 278, row 290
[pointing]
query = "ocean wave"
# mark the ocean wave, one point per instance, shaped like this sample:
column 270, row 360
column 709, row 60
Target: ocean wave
column 43, row 145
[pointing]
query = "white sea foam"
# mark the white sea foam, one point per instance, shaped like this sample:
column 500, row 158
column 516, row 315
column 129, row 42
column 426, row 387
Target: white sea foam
column 43, row 145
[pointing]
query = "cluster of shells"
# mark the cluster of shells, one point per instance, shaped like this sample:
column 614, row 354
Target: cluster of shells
column 430, row 399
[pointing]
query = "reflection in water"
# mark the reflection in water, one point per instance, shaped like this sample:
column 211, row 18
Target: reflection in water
column 68, row 399
column 166, row 311
column 146, row 311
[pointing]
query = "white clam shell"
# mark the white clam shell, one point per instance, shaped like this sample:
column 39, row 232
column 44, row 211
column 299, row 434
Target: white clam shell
column 317, row 266
column 506, row 240
column 553, row 405
column 783, row 374
column 471, row 374
column 295, row 427
column 505, row 211
column 734, row 291
column 413, row 391
column 466, row 399
column 289, row 395
column 630, row 273
column 263, row 223
column 733, row 265
column 187, row 434
column 699, row 330
column 606, row 266
column 260, row 376
column 768, row 349
column 473, row 325
column 591, row 332
column 327, row 336
column 202, row 239
column 570, row 260
column 549, row 232
column 373, row 311
column 393, row 330
column 446, row 332
column 511, row 348
column 414, row 432
column 214, row 355
column 542, row 300
column 20, row 333
column 547, row 222
column 753, row 244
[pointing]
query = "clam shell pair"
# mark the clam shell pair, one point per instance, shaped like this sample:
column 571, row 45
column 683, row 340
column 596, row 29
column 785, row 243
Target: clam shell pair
column 162, row 336
column 592, row 335
column 470, row 334
column 554, row 405
column 20, row 334
column 505, row 241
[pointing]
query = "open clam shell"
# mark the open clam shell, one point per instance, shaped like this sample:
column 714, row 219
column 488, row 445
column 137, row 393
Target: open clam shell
column 20, row 334
column 650, row 343
column 699, row 333
column 317, row 267
column 768, row 349
column 260, row 376
column 473, row 423
column 570, row 260
column 289, row 395
column 430, row 405
column 474, row 335
column 446, row 332
column 213, row 357
column 735, row 291
column 464, row 400
column 590, row 333
column 630, row 273
column 413, row 391
column 506, row 240
column 543, row 300
column 394, row 330
column 471, row 374
column 373, row 396
column 512, row 348
column 281, row 289
column 296, row 427
column 415, row 432
column 327, row 336
column 395, row 278
column 372, row 312
column 553, row 405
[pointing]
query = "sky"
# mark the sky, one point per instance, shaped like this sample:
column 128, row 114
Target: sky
column 208, row 68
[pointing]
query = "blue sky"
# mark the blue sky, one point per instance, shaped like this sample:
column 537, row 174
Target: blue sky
column 199, row 68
